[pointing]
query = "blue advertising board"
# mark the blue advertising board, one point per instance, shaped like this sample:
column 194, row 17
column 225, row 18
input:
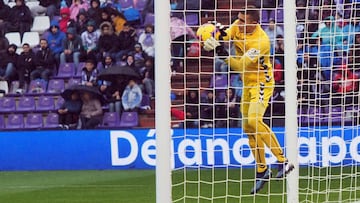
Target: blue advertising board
column 135, row 149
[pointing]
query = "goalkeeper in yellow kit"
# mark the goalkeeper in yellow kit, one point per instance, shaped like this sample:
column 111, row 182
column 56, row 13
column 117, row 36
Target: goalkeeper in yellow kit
column 252, row 47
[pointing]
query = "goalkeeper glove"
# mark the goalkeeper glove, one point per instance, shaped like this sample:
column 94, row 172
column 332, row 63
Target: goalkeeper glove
column 211, row 44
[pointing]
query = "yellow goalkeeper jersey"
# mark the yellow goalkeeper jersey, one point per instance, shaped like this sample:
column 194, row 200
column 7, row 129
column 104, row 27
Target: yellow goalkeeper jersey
column 249, row 48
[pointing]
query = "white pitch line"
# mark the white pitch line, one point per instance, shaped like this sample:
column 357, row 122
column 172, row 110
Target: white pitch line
column 67, row 186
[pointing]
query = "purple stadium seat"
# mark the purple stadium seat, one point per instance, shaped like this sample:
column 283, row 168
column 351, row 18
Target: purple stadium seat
column 219, row 81
column 13, row 87
column 26, row 104
column 145, row 102
column 56, row 86
column 34, row 121
column 140, row 4
column 264, row 16
column 111, row 119
column 45, row 103
column 66, row 70
column 192, row 18
column 52, row 120
column 126, row 4
column 37, row 87
column 2, row 122
column 7, row 105
column 129, row 119
column 15, row 121
column 59, row 102
column 79, row 68
column 279, row 15
column 73, row 81
column 149, row 19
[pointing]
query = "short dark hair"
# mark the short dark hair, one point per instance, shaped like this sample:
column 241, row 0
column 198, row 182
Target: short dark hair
column 253, row 12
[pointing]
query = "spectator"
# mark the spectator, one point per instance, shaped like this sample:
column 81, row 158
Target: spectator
column 44, row 62
column 55, row 39
column 81, row 23
column 4, row 16
column 148, row 77
column 118, row 21
column 65, row 20
column 91, row 111
column 20, row 19
column 237, row 84
column 90, row 39
column 192, row 109
column 108, row 61
column 272, row 31
column 72, row 47
column 105, row 15
column 331, row 33
column 130, row 61
column 131, row 97
column 113, row 94
column 279, row 49
column 139, row 56
column 8, row 63
column 147, row 39
column 75, row 8
column 25, row 65
column 94, row 11
column 47, row 7
column 89, row 73
column 69, row 111
column 207, row 110
column 4, row 44
column 228, row 107
column 127, row 40
column 108, row 40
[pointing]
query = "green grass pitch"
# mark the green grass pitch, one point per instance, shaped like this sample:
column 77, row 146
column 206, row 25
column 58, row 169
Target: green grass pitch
column 138, row 186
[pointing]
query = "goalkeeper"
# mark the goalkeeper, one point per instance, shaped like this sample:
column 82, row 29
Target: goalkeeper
column 252, row 47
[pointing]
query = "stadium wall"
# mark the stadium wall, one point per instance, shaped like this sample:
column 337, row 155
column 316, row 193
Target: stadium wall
column 135, row 149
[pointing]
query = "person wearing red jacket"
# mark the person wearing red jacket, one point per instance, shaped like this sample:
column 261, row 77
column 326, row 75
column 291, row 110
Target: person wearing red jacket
column 65, row 19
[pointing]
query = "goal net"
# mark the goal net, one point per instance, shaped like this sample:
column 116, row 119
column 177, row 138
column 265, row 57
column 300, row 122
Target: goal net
column 212, row 160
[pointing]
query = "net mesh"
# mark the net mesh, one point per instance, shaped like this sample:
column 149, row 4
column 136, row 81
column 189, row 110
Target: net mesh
column 212, row 159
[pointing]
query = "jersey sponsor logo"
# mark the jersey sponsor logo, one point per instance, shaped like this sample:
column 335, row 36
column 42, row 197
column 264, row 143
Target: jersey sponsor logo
column 253, row 53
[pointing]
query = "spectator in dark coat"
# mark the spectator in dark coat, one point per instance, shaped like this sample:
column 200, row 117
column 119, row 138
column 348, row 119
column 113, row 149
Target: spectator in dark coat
column 44, row 61
column 105, row 15
column 4, row 44
column 8, row 63
column 82, row 19
column 72, row 47
column 207, row 109
column 69, row 112
column 20, row 19
column 94, row 11
column 25, row 65
column 108, row 40
column 227, row 109
column 127, row 40
column 113, row 93
column 192, row 109
column 47, row 7
column 4, row 16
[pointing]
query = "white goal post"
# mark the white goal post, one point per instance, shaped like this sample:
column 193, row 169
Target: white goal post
column 291, row 126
